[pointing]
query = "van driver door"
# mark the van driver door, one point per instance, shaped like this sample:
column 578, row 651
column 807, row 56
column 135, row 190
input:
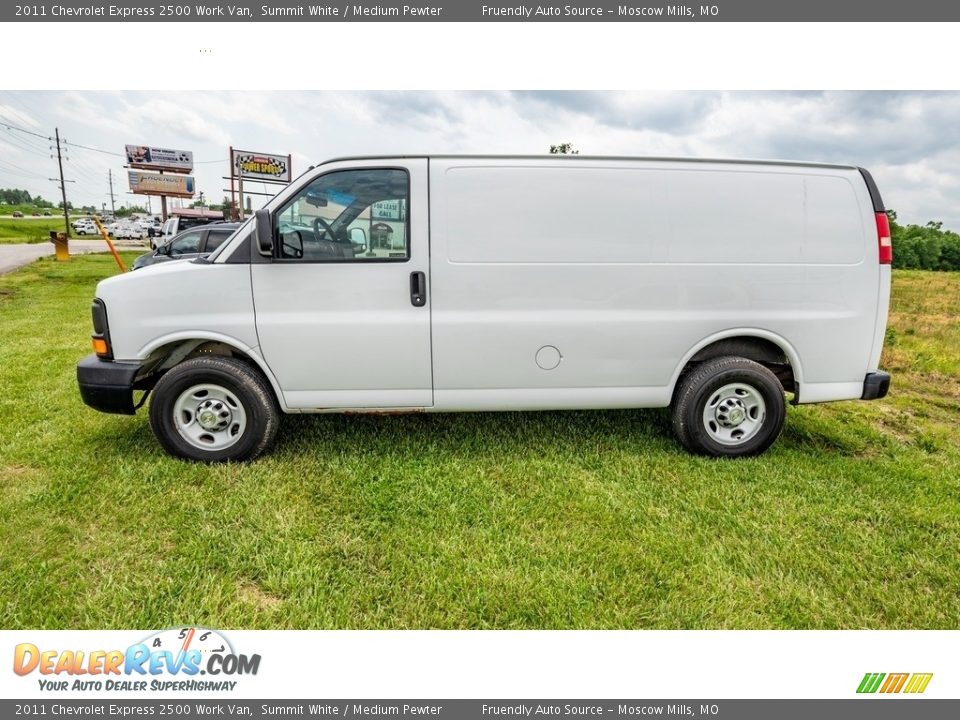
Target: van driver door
column 343, row 306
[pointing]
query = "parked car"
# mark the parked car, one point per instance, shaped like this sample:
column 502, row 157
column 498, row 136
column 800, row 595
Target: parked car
column 188, row 244
column 518, row 283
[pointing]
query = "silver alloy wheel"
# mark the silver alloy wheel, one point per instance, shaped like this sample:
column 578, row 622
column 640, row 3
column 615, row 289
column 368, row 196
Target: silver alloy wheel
column 209, row 417
column 734, row 413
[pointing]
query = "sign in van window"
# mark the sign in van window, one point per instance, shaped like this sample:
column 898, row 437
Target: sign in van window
column 388, row 210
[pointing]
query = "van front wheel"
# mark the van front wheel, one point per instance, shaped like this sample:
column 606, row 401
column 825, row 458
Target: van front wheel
column 214, row 409
column 729, row 407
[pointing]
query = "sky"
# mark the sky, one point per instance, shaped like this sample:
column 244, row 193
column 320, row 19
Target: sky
column 908, row 140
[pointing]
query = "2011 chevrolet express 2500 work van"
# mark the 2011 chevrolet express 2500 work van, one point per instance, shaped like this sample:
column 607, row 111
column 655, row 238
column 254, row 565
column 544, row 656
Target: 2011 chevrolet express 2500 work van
column 511, row 283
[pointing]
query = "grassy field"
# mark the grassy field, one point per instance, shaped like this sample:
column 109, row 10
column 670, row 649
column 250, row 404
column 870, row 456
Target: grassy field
column 28, row 231
column 548, row 520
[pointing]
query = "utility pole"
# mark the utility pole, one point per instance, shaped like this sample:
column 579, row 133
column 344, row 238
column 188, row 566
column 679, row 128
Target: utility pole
column 63, row 187
column 113, row 210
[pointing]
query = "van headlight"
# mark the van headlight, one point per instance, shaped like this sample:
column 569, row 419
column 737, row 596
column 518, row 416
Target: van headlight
column 101, row 330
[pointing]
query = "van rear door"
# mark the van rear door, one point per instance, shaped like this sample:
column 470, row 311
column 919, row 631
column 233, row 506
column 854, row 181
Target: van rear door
column 343, row 308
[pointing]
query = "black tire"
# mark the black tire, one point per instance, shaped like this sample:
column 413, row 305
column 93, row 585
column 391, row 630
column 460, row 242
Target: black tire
column 243, row 383
column 705, row 384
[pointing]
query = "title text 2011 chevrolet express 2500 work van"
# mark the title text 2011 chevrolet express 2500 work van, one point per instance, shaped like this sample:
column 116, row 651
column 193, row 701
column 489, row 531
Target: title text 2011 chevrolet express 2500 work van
column 511, row 283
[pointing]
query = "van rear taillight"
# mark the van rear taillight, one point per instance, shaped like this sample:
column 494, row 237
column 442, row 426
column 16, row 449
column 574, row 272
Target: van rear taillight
column 884, row 243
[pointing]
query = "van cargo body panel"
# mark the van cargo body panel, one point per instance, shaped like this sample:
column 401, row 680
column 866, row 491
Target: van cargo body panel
column 625, row 266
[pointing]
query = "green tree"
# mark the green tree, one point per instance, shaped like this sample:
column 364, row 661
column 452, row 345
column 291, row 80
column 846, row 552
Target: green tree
column 563, row 149
column 924, row 247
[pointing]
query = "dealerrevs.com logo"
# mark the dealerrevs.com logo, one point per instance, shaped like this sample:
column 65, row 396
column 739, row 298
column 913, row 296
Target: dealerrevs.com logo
column 179, row 659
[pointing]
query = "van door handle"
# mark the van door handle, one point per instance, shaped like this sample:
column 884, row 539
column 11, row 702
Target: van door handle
column 418, row 289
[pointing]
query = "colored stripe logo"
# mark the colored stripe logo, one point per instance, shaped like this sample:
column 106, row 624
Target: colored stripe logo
column 894, row 683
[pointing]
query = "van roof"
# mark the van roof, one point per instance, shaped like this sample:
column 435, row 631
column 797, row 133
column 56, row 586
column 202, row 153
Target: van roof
column 545, row 156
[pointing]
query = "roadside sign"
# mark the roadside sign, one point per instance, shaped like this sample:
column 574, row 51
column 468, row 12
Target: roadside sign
column 143, row 183
column 261, row 166
column 146, row 157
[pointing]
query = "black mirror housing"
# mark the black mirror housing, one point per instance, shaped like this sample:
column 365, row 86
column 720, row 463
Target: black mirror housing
column 291, row 244
column 264, row 232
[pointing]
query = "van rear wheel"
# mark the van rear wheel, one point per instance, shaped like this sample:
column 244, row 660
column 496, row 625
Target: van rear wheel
column 729, row 407
column 214, row 409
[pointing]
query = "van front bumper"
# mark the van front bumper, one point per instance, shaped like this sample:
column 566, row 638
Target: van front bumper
column 107, row 386
column 875, row 385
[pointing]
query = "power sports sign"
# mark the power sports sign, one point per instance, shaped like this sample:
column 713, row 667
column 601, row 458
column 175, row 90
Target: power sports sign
column 261, row 166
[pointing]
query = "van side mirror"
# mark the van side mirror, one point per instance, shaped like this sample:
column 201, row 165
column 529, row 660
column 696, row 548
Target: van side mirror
column 291, row 244
column 264, row 231
column 358, row 238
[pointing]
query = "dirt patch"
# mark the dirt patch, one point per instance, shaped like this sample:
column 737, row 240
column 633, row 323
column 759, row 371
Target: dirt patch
column 253, row 594
column 19, row 481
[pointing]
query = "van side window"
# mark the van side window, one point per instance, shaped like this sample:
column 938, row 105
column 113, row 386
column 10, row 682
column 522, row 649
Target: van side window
column 347, row 215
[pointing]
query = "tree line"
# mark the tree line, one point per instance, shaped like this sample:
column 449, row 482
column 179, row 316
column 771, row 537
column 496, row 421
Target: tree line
column 924, row 247
column 15, row 196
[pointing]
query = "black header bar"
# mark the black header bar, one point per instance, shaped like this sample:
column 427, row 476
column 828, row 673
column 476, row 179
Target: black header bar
column 851, row 11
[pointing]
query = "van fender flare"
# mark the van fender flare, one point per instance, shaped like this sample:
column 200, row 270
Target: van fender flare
column 252, row 353
column 778, row 340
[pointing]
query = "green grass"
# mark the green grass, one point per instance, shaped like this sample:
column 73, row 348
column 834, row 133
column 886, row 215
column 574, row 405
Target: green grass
column 541, row 520
column 28, row 231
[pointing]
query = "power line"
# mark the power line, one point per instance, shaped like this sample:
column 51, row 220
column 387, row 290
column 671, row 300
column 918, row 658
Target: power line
column 93, row 149
column 92, row 173
column 17, row 167
column 37, row 144
column 21, row 100
column 15, row 143
column 15, row 178
column 99, row 150
column 17, row 99
column 9, row 126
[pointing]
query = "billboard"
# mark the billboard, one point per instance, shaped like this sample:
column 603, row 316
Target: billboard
column 145, row 157
column 143, row 183
column 261, row 166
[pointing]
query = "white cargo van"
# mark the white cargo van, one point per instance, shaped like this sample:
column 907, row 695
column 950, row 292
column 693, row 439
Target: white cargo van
column 446, row 284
